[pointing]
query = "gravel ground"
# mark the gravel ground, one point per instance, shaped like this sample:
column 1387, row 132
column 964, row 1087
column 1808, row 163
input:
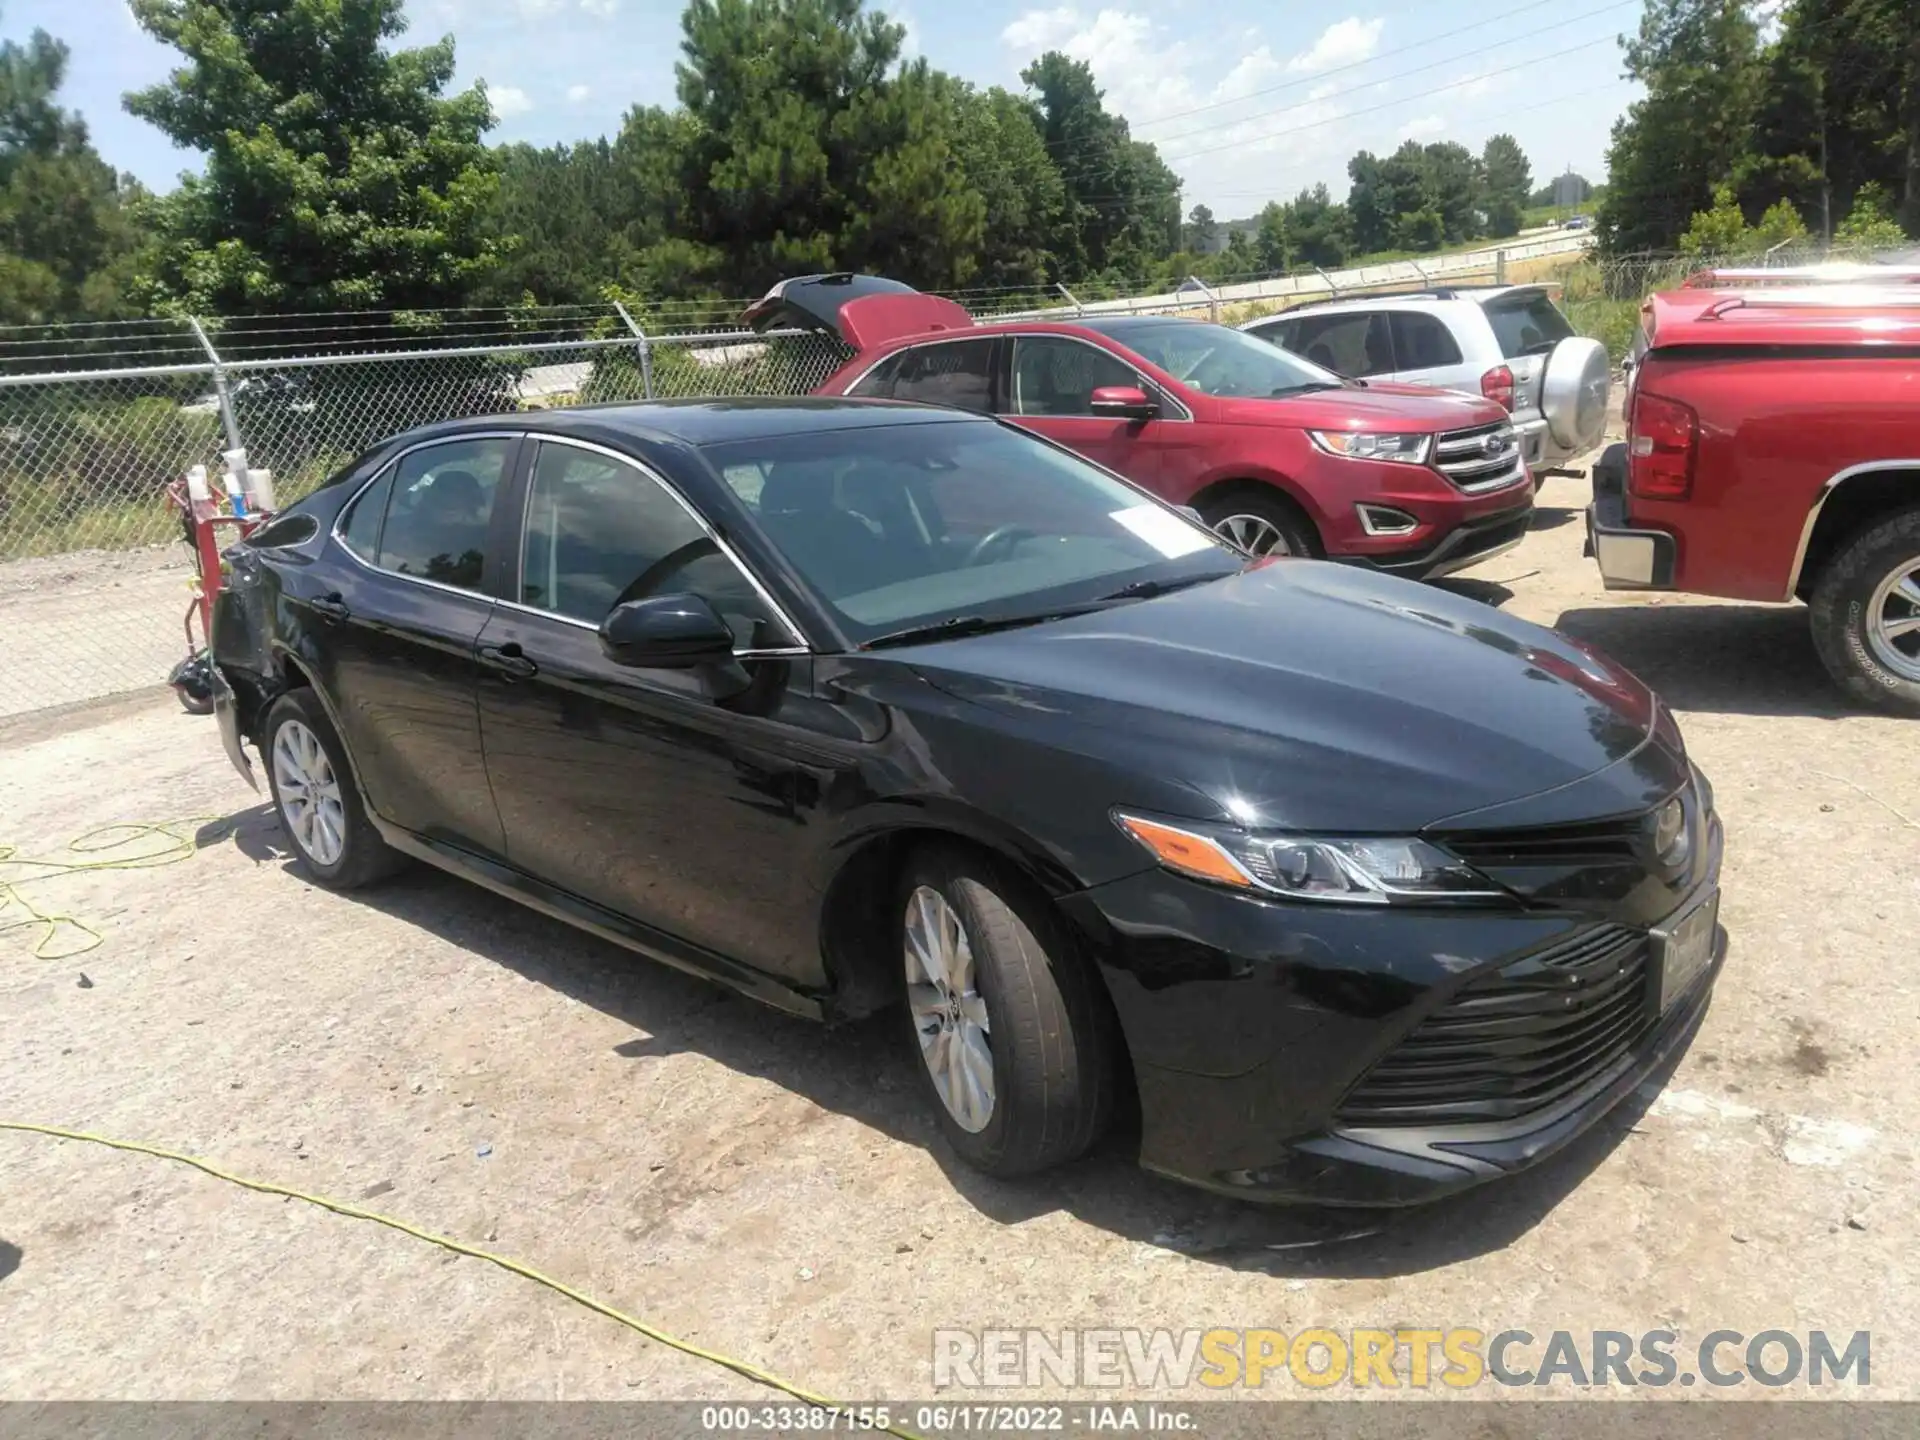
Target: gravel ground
column 90, row 624
column 774, row 1191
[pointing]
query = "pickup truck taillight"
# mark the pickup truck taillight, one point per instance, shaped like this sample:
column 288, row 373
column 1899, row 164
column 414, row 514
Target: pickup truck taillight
column 1660, row 448
column 1497, row 386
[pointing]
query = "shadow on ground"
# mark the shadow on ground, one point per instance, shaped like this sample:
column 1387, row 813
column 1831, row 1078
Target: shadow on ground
column 10, row 1254
column 869, row 1072
column 1721, row 659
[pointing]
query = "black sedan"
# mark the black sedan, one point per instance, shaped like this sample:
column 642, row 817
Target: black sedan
column 1366, row 892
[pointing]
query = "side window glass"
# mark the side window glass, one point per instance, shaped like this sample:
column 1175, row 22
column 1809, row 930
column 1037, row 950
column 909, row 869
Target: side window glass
column 877, row 383
column 959, row 372
column 1284, row 333
column 1352, row 343
column 438, row 513
column 1422, row 342
column 361, row 532
column 1053, row 376
column 601, row 532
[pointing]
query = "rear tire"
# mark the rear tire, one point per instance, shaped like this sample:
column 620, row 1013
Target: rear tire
column 316, row 798
column 1013, row 1037
column 1866, row 614
column 1262, row 522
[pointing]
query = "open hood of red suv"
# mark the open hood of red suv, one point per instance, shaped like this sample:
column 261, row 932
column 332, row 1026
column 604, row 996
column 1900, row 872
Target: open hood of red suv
column 863, row 310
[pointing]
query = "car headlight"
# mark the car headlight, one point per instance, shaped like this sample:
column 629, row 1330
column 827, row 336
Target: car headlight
column 1366, row 870
column 1361, row 445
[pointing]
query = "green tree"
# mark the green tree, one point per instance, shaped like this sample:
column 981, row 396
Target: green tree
column 1698, row 60
column 1383, row 190
column 1320, row 229
column 1272, row 246
column 1870, row 223
column 338, row 176
column 1123, row 202
column 1202, row 229
column 1004, row 159
column 1452, row 182
column 66, row 242
column 1718, row 230
column 813, row 147
column 1508, row 175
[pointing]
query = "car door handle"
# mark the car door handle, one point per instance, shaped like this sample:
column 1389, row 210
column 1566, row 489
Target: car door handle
column 331, row 606
column 509, row 660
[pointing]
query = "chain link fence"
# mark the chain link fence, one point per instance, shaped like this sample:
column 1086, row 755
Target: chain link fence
column 95, row 573
column 96, row 421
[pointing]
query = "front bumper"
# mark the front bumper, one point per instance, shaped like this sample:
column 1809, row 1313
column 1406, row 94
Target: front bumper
column 1468, row 543
column 1629, row 558
column 1250, row 1024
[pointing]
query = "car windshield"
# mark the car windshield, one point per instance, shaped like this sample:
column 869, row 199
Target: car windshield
column 1217, row 361
column 901, row 526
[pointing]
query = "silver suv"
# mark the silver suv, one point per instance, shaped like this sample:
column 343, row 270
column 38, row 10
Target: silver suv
column 1507, row 342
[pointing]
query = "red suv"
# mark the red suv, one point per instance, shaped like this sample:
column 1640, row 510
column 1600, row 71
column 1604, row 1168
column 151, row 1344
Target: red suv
column 1274, row 452
column 1773, row 453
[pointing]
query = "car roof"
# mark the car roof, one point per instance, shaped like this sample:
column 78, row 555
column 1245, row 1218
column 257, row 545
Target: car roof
column 1785, row 315
column 1430, row 295
column 707, row 422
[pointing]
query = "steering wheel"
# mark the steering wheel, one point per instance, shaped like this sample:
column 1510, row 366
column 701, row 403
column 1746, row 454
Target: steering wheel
column 676, row 559
column 1001, row 537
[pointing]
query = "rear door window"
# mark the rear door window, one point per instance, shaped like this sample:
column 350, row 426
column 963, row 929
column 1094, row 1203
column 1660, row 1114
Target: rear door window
column 1527, row 324
column 440, row 510
column 1421, row 342
column 1353, row 342
column 956, row 372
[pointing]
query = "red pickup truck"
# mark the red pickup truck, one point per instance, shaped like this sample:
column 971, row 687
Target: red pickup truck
column 1773, row 453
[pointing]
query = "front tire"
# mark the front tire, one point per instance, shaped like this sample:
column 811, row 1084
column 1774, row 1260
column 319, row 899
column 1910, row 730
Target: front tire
column 1012, row 1033
column 318, row 803
column 1866, row 614
column 1261, row 522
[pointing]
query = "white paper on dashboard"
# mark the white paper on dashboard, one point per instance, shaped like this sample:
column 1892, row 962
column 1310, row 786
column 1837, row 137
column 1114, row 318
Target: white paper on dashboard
column 1166, row 532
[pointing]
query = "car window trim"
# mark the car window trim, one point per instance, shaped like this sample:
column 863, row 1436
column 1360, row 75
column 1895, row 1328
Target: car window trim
column 1147, row 382
column 393, row 463
column 720, row 543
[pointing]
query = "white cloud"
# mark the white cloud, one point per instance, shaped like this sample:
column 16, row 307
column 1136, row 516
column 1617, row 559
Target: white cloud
column 1422, row 127
column 1345, row 42
column 1477, row 86
column 508, row 101
column 577, row 93
column 602, row 8
column 909, row 42
column 1039, row 30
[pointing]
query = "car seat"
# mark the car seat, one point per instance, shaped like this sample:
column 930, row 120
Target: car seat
column 802, row 516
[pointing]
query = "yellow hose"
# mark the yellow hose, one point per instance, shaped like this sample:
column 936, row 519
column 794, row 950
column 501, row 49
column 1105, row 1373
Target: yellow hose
column 354, row 1212
column 180, row 845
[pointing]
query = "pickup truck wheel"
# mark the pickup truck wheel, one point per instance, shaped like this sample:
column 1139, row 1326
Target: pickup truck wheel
column 1012, row 1030
column 318, row 802
column 1261, row 524
column 1866, row 614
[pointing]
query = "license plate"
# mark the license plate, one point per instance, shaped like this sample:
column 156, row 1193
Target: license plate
column 1685, row 949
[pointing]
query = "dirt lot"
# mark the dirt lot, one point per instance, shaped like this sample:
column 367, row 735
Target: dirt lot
column 774, row 1191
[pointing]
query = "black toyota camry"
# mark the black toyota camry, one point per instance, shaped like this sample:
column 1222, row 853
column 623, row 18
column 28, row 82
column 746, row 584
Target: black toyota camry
column 1366, row 892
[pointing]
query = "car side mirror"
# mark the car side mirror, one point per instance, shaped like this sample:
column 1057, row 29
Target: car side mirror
column 1129, row 401
column 666, row 632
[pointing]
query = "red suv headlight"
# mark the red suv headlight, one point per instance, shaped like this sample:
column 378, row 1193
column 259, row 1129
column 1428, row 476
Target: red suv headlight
column 1660, row 449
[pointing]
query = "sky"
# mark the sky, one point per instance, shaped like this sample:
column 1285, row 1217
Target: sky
column 1247, row 101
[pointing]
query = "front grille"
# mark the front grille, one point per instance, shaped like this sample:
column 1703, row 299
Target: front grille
column 1600, row 842
column 1516, row 1039
column 1462, row 456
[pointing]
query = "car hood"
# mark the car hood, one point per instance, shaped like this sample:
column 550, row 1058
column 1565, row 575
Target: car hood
column 1415, row 408
column 1313, row 696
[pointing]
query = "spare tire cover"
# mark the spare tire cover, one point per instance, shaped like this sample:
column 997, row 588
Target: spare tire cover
column 1573, row 396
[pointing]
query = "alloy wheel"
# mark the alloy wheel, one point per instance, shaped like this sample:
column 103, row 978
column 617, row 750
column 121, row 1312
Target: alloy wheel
column 309, row 793
column 1893, row 621
column 1254, row 534
column 949, row 1014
